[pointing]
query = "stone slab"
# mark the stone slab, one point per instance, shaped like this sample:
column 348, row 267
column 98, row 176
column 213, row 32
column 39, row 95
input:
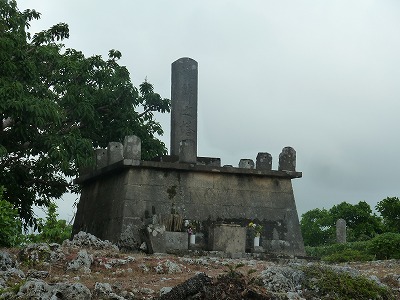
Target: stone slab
column 228, row 238
column 176, row 240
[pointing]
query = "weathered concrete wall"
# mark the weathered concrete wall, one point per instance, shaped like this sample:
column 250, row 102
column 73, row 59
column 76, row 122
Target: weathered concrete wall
column 122, row 197
column 100, row 209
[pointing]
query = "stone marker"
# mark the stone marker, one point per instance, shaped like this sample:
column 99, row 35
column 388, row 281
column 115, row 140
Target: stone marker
column 101, row 158
column 264, row 161
column 176, row 240
column 287, row 159
column 114, row 152
column 341, row 231
column 229, row 238
column 246, row 164
column 154, row 236
column 132, row 147
column 184, row 73
column 187, row 152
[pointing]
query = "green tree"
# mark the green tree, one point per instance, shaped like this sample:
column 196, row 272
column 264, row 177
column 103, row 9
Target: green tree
column 316, row 227
column 389, row 208
column 51, row 230
column 56, row 105
column 361, row 223
column 11, row 227
column 319, row 226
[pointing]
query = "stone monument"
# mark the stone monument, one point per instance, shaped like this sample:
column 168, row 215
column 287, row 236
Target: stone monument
column 341, row 231
column 184, row 104
column 124, row 195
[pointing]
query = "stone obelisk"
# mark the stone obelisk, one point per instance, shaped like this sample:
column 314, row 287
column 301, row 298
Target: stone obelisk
column 184, row 77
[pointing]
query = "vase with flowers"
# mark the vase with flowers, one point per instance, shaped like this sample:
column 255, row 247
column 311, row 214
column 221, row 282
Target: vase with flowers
column 256, row 230
column 191, row 230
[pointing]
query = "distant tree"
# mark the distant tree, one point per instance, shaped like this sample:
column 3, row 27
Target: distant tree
column 361, row 223
column 56, row 105
column 389, row 208
column 316, row 227
column 51, row 230
column 319, row 226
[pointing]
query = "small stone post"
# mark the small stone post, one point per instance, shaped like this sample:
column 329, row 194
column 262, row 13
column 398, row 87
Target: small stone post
column 341, row 231
column 184, row 73
column 132, row 149
column 114, row 152
column 287, row 159
column 246, row 163
column 264, row 161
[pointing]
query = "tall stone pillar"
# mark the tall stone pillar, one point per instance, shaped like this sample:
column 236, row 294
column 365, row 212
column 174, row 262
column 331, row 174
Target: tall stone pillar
column 341, row 231
column 183, row 103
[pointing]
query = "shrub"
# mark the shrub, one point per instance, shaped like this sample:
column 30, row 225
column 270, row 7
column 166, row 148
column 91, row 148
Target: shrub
column 52, row 230
column 348, row 255
column 341, row 285
column 323, row 251
column 10, row 224
column 385, row 246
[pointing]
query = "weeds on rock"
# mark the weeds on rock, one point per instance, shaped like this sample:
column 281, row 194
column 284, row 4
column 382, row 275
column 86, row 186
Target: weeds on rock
column 235, row 285
column 325, row 283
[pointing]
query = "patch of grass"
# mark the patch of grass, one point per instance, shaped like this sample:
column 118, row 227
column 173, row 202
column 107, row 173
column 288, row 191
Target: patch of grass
column 324, row 283
column 384, row 246
column 12, row 287
column 328, row 250
column 348, row 255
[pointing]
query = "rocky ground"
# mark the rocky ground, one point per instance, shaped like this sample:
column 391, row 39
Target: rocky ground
column 88, row 268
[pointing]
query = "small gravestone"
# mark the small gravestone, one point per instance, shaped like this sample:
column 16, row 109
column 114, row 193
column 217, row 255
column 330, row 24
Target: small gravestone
column 287, row 159
column 264, row 161
column 246, row 164
column 341, row 231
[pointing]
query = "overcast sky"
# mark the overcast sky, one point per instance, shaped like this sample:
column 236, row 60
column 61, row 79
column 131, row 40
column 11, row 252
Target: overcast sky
column 320, row 76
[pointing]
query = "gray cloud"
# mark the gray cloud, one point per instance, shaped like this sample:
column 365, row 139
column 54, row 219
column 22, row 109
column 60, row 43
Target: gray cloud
column 321, row 76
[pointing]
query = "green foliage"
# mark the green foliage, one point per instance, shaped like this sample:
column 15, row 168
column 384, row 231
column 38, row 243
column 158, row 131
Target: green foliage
column 233, row 270
column 385, row 246
column 361, row 223
column 56, row 105
column 51, row 230
column 389, row 208
column 348, row 255
column 14, row 289
column 341, row 285
column 319, row 226
column 326, row 251
column 316, row 227
column 10, row 224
